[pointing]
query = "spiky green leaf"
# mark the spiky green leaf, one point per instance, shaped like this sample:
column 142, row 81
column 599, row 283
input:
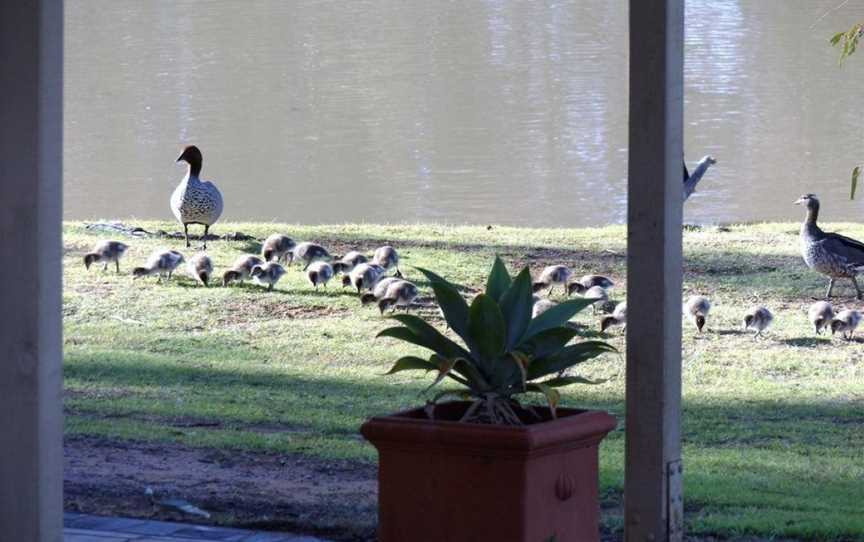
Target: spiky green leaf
column 516, row 306
column 499, row 280
column 568, row 357
column 548, row 342
column 486, row 327
column 452, row 304
column 429, row 337
column 568, row 380
column 556, row 316
column 411, row 363
column 552, row 396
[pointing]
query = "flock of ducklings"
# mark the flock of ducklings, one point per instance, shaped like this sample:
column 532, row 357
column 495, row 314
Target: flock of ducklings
column 393, row 291
column 696, row 308
column 389, row 292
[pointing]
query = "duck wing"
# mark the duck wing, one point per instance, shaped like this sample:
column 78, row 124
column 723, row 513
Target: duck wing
column 845, row 247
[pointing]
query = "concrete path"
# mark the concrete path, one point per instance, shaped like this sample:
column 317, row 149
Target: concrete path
column 86, row 528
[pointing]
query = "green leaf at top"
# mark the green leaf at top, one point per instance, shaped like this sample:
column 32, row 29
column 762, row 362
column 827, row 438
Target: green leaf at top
column 548, row 342
column 429, row 337
column 499, row 280
column 556, row 316
column 487, row 328
column 452, row 304
column 856, row 172
column 516, row 306
column 411, row 363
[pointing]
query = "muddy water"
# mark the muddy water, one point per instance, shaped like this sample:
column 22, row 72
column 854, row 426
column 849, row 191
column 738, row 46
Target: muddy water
column 486, row 111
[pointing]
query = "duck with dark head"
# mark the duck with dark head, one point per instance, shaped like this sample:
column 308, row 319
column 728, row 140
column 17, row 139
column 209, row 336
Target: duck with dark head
column 195, row 201
column 831, row 254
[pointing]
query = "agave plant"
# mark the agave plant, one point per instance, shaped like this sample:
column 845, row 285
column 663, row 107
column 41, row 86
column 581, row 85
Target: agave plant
column 504, row 352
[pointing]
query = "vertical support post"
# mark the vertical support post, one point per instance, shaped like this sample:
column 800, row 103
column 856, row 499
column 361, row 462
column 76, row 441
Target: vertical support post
column 31, row 129
column 653, row 507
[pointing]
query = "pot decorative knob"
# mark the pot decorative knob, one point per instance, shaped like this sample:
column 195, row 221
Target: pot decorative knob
column 564, row 487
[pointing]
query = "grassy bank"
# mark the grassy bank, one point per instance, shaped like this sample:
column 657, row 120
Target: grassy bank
column 773, row 428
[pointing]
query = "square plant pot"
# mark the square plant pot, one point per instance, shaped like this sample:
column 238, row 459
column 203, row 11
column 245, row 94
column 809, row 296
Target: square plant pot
column 445, row 481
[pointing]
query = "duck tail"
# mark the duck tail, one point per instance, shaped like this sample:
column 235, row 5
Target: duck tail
column 139, row 272
column 366, row 299
column 204, row 277
column 313, row 277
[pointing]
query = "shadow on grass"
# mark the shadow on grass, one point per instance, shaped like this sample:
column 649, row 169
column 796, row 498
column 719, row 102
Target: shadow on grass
column 806, row 342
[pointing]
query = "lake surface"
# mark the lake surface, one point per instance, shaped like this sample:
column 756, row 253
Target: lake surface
column 472, row 111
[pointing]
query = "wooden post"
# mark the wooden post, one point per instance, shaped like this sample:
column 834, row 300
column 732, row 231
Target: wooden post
column 31, row 453
column 652, row 492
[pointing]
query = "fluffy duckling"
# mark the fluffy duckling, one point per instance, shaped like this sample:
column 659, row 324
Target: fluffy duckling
column 364, row 276
column 379, row 291
column 278, row 247
column 201, row 267
column 106, row 251
column 267, row 273
column 541, row 305
column 551, row 276
column 399, row 294
column 758, row 318
column 846, row 322
column 820, row 314
column 319, row 273
column 349, row 262
column 241, row 269
column 386, row 257
column 618, row 317
column 696, row 310
column 160, row 263
column 310, row 252
column 587, row 282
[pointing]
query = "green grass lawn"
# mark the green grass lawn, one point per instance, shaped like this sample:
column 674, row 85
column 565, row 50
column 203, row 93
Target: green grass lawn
column 773, row 428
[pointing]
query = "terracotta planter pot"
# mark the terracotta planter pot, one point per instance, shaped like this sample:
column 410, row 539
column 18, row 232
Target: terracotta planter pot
column 445, row 481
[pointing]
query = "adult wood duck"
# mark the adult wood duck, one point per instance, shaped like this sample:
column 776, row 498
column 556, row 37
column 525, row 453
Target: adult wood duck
column 831, row 254
column 195, row 201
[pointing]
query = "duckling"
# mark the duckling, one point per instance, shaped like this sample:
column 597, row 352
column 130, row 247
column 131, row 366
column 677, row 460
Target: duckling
column 319, row 273
column 541, row 305
column 365, row 275
column 106, row 251
column 820, row 314
column 696, row 309
column 279, row 247
column 589, row 281
column 552, row 275
column 267, row 273
column 758, row 318
column 201, row 267
column 379, row 291
column 386, row 257
column 161, row 262
column 241, row 269
column 349, row 261
column 846, row 322
column 195, row 201
column 310, row 252
column 618, row 317
column 399, row 294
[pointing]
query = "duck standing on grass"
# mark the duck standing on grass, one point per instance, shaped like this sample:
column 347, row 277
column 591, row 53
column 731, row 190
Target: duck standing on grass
column 696, row 310
column 831, row 254
column 195, row 201
column 379, row 291
column 310, row 252
column 552, row 276
column 106, row 251
column 820, row 315
column 160, row 263
column 386, row 257
column 279, row 247
column 364, row 276
column 241, row 269
column 846, row 322
column 201, row 267
column 349, row 261
column 758, row 318
column 618, row 318
column 587, row 282
column 319, row 273
column 267, row 273
column 399, row 294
